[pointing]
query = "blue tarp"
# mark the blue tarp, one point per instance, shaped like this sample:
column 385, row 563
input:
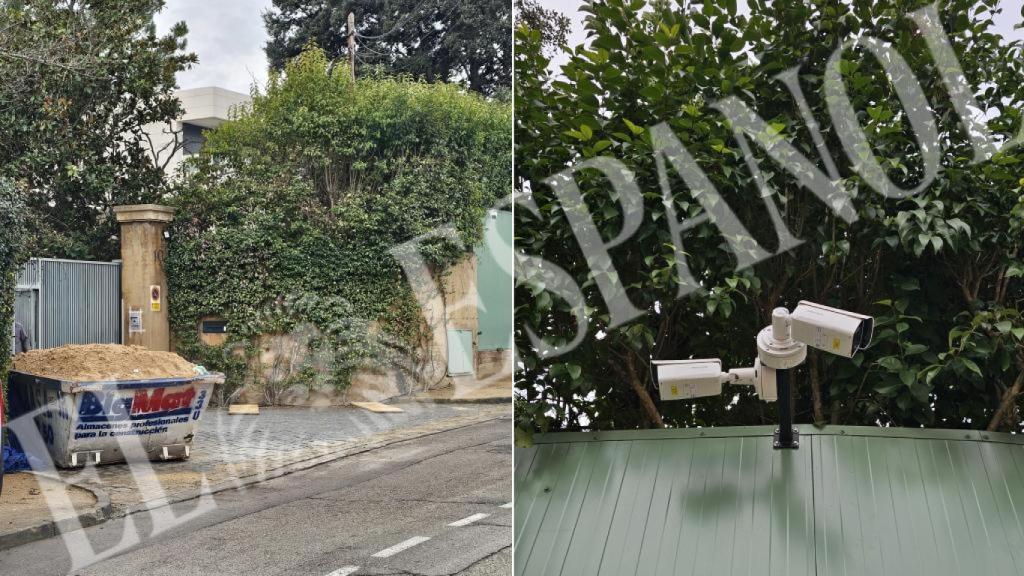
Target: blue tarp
column 14, row 459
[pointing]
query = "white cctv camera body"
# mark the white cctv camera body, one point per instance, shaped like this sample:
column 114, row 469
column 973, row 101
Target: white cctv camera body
column 780, row 346
column 831, row 329
column 688, row 379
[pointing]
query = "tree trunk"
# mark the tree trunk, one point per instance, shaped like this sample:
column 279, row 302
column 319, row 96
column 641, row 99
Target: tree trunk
column 641, row 391
column 815, row 377
column 1006, row 406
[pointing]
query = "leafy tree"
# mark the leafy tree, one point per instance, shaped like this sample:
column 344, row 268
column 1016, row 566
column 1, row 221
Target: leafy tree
column 292, row 209
column 432, row 40
column 81, row 79
column 12, row 256
column 552, row 24
column 941, row 269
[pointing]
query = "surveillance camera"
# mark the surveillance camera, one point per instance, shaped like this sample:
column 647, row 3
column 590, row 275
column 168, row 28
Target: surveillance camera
column 687, row 379
column 831, row 329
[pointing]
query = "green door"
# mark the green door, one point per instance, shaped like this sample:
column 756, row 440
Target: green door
column 494, row 282
column 460, row 352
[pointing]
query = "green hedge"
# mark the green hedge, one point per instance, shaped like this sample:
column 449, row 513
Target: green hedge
column 287, row 218
column 12, row 238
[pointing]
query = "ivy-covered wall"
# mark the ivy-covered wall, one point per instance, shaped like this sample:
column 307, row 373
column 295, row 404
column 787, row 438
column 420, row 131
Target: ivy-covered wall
column 12, row 238
column 286, row 220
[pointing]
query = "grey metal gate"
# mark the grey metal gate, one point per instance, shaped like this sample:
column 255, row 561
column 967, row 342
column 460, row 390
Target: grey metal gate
column 69, row 302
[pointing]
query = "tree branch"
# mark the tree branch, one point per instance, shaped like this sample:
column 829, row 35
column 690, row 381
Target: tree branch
column 1007, row 404
column 641, row 391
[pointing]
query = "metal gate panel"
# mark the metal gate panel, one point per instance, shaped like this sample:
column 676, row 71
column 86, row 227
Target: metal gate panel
column 79, row 303
column 25, row 312
column 70, row 302
column 26, row 300
column 460, row 352
column 28, row 278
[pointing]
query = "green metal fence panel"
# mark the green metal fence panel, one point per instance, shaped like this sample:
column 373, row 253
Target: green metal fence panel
column 494, row 283
column 851, row 501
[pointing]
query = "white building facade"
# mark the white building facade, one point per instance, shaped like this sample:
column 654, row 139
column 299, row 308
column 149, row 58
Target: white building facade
column 205, row 108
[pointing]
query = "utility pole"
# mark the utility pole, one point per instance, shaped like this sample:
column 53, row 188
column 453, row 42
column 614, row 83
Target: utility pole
column 352, row 45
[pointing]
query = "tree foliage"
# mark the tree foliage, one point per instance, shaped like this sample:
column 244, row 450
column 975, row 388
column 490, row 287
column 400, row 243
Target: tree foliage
column 552, row 25
column 12, row 257
column 292, row 209
column 433, row 40
column 81, row 79
column 941, row 270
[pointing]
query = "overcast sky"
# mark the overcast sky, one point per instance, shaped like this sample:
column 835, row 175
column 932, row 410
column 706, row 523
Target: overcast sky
column 227, row 35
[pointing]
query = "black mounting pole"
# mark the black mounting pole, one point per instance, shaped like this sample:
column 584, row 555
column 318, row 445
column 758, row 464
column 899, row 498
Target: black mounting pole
column 786, row 437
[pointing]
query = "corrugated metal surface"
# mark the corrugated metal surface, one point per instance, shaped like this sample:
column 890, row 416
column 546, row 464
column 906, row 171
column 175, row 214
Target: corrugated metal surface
column 28, row 279
column 850, row 501
column 70, row 302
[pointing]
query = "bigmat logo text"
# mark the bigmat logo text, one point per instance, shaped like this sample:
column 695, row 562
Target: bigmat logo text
column 143, row 405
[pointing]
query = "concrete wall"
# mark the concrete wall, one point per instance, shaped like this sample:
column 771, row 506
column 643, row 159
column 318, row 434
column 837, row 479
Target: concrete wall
column 450, row 303
column 494, row 366
column 460, row 295
column 451, row 308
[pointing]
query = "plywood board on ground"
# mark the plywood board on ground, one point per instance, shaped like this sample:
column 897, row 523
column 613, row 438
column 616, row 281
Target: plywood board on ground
column 244, row 409
column 377, row 407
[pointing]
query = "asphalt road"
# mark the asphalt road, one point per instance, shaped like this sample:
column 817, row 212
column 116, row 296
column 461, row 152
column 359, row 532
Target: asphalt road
column 436, row 505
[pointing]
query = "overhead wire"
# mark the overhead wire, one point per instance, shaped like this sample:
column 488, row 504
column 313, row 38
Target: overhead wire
column 361, row 47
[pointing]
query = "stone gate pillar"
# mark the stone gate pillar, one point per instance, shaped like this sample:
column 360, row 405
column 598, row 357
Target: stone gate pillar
column 143, row 280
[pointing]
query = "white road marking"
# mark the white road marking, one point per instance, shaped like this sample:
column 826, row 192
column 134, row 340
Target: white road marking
column 509, row 505
column 345, row 571
column 469, row 519
column 401, row 546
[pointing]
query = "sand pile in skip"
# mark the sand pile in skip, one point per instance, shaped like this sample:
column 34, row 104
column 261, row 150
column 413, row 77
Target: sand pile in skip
column 102, row 363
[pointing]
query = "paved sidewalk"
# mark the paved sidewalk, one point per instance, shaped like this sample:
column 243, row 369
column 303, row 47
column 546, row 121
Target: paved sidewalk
column 32, row 506
column 468, row 391
column 231, row 451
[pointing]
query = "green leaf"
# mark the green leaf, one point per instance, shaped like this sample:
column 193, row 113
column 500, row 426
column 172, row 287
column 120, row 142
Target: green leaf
column 523, row 438
column 891, row 363
column 908, row 377
column 888, row 388
column 912, row 349
column 971, row 365
column 633, row 127
column 910, row 284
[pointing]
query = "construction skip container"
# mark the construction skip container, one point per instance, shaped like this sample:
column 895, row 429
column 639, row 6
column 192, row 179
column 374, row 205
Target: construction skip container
column 99, row 422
